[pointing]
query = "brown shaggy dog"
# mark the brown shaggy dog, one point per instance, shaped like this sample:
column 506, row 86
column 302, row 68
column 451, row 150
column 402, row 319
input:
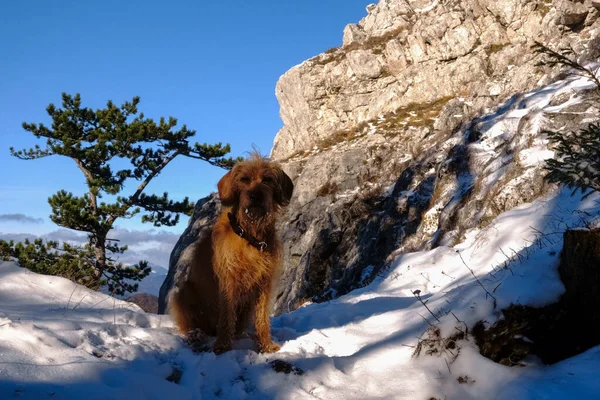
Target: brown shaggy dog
column 232, row 269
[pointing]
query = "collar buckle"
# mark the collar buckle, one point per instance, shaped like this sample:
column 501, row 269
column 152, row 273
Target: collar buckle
column 252, row 241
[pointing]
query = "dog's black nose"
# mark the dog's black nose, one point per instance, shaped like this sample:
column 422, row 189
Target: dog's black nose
column 255, row 196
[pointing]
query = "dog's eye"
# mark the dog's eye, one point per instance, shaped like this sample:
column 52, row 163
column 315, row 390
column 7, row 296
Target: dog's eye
column 267, row 180
column 245, row 179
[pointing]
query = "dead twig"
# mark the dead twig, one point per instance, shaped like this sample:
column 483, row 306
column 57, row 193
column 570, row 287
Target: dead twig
column 478, row 281
column 417, row 294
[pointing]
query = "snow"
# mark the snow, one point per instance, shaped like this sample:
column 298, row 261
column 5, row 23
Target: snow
column 62, row 341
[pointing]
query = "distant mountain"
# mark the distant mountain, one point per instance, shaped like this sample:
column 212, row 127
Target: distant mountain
column 151, row 284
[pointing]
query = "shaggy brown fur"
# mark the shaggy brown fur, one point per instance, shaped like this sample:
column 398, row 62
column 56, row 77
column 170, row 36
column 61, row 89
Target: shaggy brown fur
column 230, row 280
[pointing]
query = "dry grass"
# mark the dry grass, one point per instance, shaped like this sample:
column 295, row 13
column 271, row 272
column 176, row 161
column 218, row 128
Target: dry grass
column 376, row 44
column 495, row 48
column 413, row 114
column 327, row 189
column 379, row 41
column 432, row 343
column 544, row 8
column 416, row 115
column 299, row 303
column 299, row 153
column 438, row 191
column 372, row 191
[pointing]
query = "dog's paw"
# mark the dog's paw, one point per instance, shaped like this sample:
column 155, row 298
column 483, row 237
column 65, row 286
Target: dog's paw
column 196, row 335
column 270, row 347
column 198, row 341
column 221, row 348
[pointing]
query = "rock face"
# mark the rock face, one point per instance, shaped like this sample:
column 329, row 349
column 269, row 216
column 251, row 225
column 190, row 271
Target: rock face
column 205, row 214
column 580, row 272
column 146, row 301
column 417, row 129
column 420, row 51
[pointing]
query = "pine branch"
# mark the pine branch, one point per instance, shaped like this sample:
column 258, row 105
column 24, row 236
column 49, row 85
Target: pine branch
column 162, row 210
column 31, row 154
column 213, row 154
column 134, row 198
column 577, row 162
column 563, row 58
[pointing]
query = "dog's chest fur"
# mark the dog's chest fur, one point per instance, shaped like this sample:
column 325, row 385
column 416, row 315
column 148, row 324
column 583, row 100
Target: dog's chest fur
column 238, row 264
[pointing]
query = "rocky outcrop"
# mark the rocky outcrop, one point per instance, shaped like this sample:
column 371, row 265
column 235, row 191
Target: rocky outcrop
column 420, row 51
column 418, row 129
column 580, row 272
column 146, row 301
column 410, row 134
column 394, row 189
column 205, row 214
column 559, row 330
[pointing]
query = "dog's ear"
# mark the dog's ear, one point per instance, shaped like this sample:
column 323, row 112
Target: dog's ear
column 285, row 187
column 225, row 187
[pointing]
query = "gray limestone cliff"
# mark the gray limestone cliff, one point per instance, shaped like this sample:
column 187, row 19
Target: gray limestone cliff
column 426, row 123
column 416, row 52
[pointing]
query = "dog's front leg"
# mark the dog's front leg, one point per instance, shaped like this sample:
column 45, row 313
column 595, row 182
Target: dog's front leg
column 226, row 324
column 262, row 324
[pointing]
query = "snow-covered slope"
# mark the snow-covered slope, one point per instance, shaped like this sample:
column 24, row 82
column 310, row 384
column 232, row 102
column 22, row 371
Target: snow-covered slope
column 62, row 341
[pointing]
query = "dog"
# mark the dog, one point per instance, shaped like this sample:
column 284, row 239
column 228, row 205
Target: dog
column 233, row 268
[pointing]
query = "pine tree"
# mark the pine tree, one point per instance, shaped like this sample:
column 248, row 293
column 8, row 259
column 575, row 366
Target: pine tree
column 94, row 138
column 577, row 154
column 577, row 162
column 50, row 258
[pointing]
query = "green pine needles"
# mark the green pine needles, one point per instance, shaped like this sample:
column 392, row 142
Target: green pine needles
column 577, row 154
column 577, row 162
column 94, row 139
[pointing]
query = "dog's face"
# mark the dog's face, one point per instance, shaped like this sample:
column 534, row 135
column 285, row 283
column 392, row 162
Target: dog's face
column 256, row 189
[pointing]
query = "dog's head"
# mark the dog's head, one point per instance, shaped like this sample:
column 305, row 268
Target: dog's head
column 256, row 189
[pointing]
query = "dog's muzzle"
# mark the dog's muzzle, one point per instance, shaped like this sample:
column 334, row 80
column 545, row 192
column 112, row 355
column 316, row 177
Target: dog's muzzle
column 254, row 212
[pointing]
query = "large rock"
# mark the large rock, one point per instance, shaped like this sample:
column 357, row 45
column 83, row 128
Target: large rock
column 407, row 137
column 580, row 271
column 147, row 302
column 353, row 33
column 204, row 217
column 572, row 12
column 406, row 52
column 557, row 331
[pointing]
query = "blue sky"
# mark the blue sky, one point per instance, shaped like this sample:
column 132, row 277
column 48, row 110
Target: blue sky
column 213, row 65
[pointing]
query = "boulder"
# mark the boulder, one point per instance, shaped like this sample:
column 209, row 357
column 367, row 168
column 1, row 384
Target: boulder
column 406, row 138
column 147, row 302
column 353, row 33
column 406, row 52
column 204, row 217
column 580, row 271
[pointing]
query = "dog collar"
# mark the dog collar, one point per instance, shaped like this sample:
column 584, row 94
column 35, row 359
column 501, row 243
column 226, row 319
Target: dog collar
column 252, row 241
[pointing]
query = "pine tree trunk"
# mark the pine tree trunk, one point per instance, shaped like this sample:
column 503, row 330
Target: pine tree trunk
column 100, row 249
